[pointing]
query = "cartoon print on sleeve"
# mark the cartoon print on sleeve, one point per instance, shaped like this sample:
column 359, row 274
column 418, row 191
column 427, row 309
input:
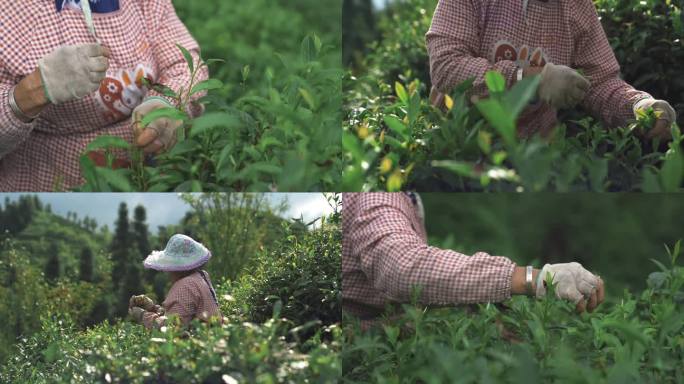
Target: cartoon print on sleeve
column 119, row 95
column 504, row 50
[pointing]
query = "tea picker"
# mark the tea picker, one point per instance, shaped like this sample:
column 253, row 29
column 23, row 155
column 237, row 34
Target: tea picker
column 562, row 41
column 192, row 296
column 73, row 70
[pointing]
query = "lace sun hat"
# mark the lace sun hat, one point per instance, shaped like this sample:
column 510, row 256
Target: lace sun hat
column 182, row 253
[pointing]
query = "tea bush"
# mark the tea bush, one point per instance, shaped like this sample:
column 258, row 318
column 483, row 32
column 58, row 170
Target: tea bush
column 281, row 325
column 630, row 339
column 301, row 278
column 394, row 139
column 273, row 110
column 236, row 351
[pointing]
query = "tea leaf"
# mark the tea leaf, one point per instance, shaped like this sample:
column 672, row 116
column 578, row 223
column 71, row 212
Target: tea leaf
column 210, row 121
column 495, row 81
column 206, row 85
column 188, row 58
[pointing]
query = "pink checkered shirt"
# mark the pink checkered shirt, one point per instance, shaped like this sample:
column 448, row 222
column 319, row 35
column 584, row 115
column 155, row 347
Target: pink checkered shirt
column 469, row 37
column 385, row 254
column 189, row 298
column 142, row 36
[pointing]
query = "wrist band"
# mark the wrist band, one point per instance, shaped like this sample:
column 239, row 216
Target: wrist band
column 528, row 279
column 519, row 74
column 16, row 110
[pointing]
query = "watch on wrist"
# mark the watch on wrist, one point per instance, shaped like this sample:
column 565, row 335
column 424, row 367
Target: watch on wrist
column 528, row 280
column 519, row 74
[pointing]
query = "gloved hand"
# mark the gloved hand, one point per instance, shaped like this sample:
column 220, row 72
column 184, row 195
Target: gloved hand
column 573, row 283
column 159, row 135
column 74, row 71
column 136, row 314
column 159, row 310
column 561, row 86
column 665, row 114
column 141, row 301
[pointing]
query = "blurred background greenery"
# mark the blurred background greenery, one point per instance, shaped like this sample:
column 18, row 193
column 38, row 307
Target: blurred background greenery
column 262, row 34
column 614, row 235
column 385, row 38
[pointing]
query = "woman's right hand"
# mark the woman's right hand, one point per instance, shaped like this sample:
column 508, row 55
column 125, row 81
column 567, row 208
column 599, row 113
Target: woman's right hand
column 74, row 71
column 573, row 283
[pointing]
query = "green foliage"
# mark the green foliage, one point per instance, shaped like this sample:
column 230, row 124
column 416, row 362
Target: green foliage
column 24, row 293
column 634, row 338
column 69, row 235
column 395, row 139
column 298, row 280
column 236, row 351
column 273, row 112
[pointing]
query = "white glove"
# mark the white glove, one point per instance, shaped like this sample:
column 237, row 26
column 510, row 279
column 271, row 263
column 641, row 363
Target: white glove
column 137, row 314
column 573, row 282
column 662, row 108
column 74, row 71
column 561, row 86
column 160, row 134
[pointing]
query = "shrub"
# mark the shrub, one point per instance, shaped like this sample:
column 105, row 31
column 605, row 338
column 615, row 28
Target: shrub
column 299, row 280
column 635, row 338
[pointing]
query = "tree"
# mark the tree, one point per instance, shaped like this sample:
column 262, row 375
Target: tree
column 234, row 226
column 86, row 265
column 141, row 236
column 52, row 267
column 140, row 232
column 120, row 247
column 358, row 29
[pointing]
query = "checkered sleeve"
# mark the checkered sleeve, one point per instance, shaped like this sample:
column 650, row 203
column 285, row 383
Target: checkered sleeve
column 183, row 301
column 12, row 130
column 398, row 260
column 166, row 32
column 453, row 45
column 610, row 98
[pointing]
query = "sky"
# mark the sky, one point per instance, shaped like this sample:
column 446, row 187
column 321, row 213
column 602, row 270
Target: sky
column 162, row 208
column 379, row 3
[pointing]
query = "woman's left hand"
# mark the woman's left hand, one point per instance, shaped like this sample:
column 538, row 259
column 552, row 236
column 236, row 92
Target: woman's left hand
column 159, row 135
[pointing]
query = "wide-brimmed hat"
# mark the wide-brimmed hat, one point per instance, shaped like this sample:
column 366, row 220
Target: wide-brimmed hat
column 182, row 253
